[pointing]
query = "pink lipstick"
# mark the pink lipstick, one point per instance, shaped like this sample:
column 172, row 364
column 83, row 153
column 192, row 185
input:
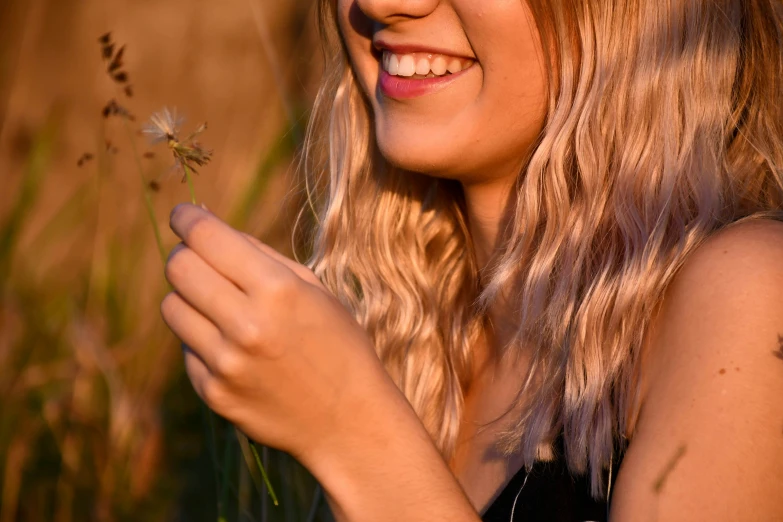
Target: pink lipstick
column 401, row 87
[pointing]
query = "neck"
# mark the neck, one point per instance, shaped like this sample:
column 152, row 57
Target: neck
column 489, row 206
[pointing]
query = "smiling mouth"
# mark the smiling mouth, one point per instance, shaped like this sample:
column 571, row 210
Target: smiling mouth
column 422, row 65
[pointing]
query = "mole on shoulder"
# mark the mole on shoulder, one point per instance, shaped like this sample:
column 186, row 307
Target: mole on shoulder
column 779, row 352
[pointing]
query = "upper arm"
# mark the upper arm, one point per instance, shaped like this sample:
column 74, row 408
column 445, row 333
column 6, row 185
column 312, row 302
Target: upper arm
column 709, row 440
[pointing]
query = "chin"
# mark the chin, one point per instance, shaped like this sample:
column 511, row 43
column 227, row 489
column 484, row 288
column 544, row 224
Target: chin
column 417, row 150
column 447, row 157
column 407, row 158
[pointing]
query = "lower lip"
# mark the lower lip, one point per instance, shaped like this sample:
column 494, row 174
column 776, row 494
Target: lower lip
column 401, row 87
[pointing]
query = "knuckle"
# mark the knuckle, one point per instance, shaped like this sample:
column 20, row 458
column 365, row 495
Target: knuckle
column 281, row 287
column 249, row 334
column 227, row 364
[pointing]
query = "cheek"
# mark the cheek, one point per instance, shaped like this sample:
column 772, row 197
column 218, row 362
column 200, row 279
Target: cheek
column 356, row 30
column 510, row 110
column 513, row 100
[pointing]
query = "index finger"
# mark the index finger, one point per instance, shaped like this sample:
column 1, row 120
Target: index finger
column 223, row 248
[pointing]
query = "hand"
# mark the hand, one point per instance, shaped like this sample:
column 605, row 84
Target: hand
column 266, row 345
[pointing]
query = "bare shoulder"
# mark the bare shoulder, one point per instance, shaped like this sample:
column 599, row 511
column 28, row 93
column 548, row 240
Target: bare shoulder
column 732, row 283
column 743, row 253
column 734, row 278
column 709, row 441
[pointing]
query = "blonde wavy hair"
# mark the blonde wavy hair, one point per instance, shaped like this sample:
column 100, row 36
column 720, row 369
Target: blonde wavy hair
column 664, row 125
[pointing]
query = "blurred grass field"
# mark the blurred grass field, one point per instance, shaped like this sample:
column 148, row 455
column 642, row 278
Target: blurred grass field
column 98, row 420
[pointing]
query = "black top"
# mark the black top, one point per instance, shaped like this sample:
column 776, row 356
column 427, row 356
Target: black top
column 550, row 494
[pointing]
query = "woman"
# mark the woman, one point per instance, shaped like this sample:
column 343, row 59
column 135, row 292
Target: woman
column 547, row 271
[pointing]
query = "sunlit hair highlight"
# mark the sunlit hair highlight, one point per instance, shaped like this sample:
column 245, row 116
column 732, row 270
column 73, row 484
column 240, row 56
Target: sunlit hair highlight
column 664, row 126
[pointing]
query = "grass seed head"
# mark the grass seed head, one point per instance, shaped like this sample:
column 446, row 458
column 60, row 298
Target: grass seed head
column 113, row 57
column 112, row 108
column 84, row 158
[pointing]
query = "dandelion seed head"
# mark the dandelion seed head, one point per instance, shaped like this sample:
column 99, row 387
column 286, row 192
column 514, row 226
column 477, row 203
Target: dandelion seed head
column 164, row 126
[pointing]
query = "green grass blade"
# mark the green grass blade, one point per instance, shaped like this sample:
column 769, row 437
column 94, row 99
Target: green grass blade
column 284, row 147
column 34, row 174
column 251, row 454
column 263, row 473
column 223, row 500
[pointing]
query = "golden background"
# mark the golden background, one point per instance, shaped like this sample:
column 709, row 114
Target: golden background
column 97, row 418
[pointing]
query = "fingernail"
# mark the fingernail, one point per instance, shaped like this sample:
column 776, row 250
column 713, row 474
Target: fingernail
column 174, row 211
column 179, row 246
column 205, row 208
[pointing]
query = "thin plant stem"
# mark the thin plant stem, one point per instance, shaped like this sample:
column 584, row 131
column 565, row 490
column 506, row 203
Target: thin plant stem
column 264, row 498
column 147, row 197
column 101, row 167
column 314, row 504
column 210, row 414
column 148, row 202
column 223, row 500
column 189, row 178
column 212, row 434
column 263, row 474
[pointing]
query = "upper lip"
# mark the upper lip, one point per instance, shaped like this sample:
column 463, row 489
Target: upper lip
column 410, row 48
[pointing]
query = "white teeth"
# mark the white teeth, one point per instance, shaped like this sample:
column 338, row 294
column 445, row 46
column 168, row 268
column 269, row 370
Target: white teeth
column 439, row 66
column 407, row 66
column 422, row 64
column 394, row 65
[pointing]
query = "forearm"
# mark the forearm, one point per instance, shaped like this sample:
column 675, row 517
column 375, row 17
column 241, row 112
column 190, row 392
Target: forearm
column 389, row 470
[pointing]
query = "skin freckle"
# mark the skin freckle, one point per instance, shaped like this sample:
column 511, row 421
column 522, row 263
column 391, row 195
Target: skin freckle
column 722, row 371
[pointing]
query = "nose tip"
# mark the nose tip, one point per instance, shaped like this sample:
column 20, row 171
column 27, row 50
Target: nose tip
column 387, row 11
